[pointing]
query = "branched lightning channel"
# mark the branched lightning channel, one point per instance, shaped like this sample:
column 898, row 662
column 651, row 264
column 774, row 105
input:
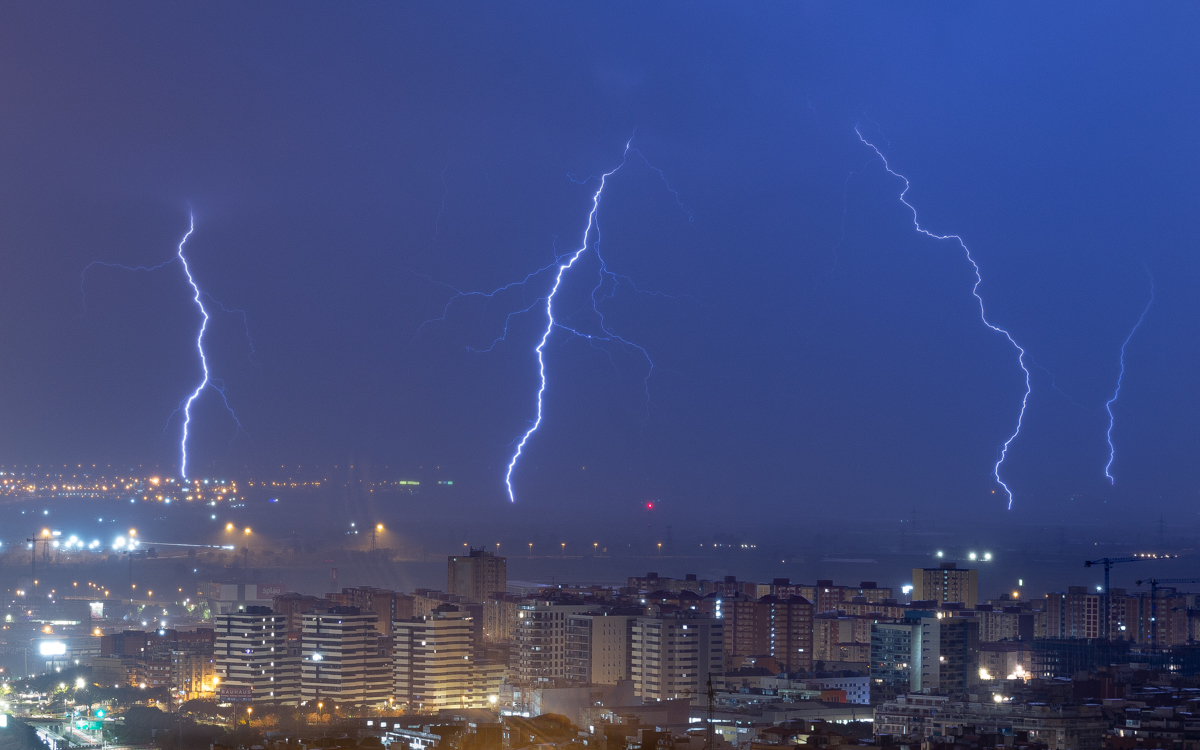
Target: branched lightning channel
column 982, row 313
column 1112, row 451
column 199, row 347
column 558, row 268
column 208, row 381
column 550, row 322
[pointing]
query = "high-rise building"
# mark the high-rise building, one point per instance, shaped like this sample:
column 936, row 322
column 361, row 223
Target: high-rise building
column 1075, row 614
column 841, row 638
column 192, row 672
column 746, row 627
column 946, row 583
column 930, row 653
column 1003, row 623
column 345, row 661
column 675, row 655
column 775, row 625
column 500, row 617
column 789, row 622
column 476, row 576
column 896, row 658
column 541, row 641
column 949, row 654
column 1168, row 614
column 251, row 657
column 389, row 605
column 295, row 606
column 598, row 647
column 433, row 662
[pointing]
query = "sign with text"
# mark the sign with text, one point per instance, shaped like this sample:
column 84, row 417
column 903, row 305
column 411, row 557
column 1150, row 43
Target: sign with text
column 236, row 693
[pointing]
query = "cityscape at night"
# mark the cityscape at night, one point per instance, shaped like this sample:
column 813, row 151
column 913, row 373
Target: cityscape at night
column 625, row 376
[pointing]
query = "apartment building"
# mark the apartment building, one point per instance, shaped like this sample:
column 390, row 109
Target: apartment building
column 344, row 660
column 252, row 659
column 675, row 655
column 598, row 648
column 433, row 664
column 541, row 641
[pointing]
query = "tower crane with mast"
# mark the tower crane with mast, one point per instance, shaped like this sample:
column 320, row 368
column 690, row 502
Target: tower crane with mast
column 1108, row 562
column 1154, row 582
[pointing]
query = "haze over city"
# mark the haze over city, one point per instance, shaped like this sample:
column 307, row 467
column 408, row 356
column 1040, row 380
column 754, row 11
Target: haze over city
column 476, row 316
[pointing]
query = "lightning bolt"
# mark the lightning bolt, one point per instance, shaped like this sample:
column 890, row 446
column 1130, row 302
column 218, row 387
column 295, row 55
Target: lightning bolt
column 207, row 381
column 1112, row 451
column 558, row 269
column 982, row 312
column 187, row 405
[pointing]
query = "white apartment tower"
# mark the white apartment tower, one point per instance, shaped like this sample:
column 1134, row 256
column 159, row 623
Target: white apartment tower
column 433, row 665
column 345, row 661
column 251, row 652
column 674, row 657
column 541, row 638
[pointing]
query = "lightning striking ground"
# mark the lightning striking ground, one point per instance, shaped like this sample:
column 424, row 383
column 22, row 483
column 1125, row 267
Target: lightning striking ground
column 982, row 312
column 187, row 406
column 558, row 269
column 207, row 381
column 550, row 323
column 1112, row 451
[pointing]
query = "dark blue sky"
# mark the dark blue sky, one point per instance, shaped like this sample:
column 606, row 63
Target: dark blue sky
column 815, row 354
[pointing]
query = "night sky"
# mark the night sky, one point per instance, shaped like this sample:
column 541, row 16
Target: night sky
column 350, row 164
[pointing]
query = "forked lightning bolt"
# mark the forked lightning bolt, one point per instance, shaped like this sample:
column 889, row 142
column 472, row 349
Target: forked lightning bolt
column 1112, row 451
column 187, row 405
column 540, row 348
column 206, row 382
column 559, row 268
column 982, row 313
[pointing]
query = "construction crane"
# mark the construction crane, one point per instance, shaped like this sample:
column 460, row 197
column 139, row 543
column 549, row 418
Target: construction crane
column 1108, row 562
column 1154, row 603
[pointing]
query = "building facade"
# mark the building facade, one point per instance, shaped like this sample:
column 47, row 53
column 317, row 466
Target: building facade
column 789, row 622
column 252, row 659
column 433, row 664
column 946, row 583
column 598, row 648
column 896, row 658
column 477, row 575
column 675, row 656
column 344, row 659
column 541, row 641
